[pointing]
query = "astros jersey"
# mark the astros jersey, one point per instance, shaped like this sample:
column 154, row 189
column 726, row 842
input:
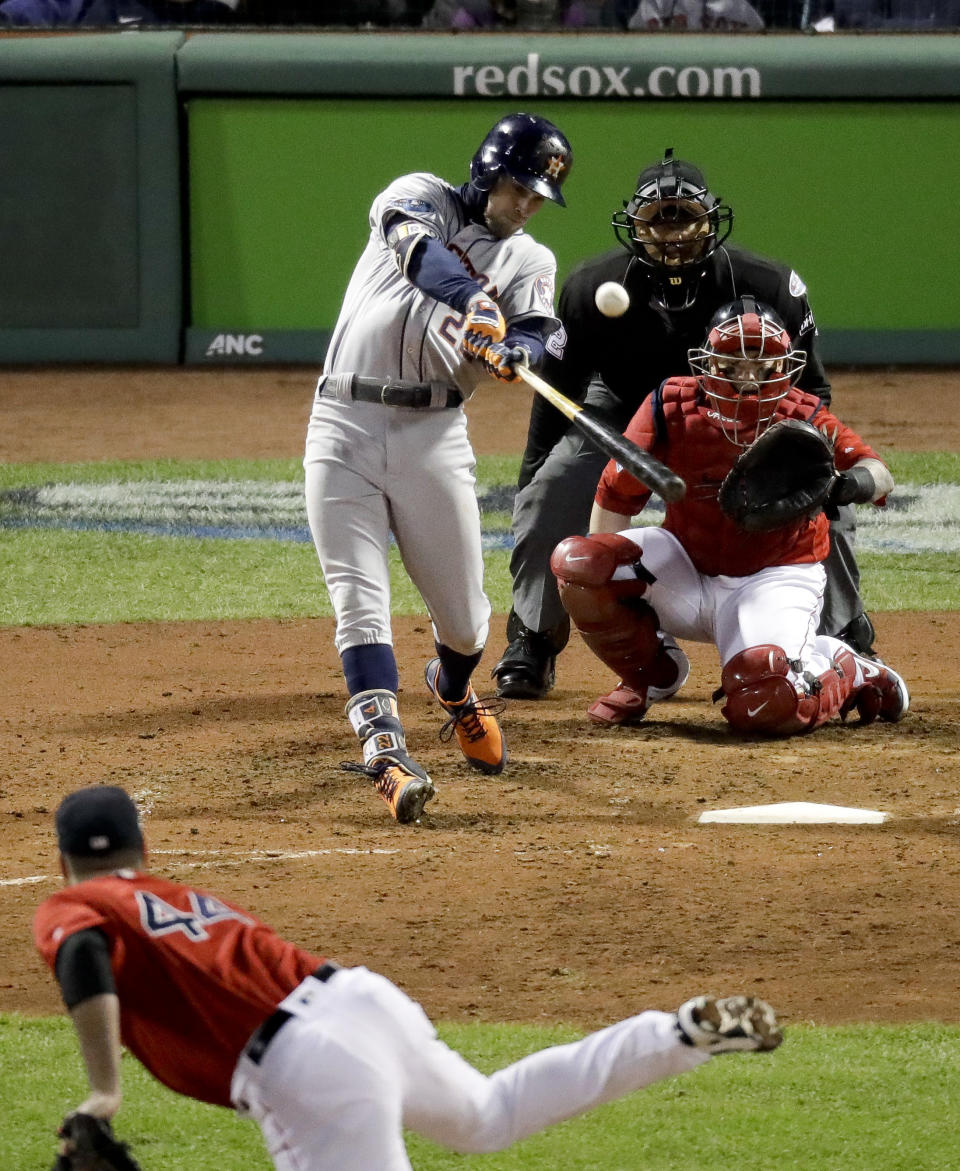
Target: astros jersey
column 676, row 426
column 195, row 975
column 391, row 329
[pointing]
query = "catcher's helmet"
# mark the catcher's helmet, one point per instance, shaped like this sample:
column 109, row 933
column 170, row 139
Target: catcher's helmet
column 529, row 149
column 673, row 224
column 746, row 366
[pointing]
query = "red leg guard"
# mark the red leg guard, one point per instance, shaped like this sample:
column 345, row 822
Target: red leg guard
column 614, row 621
column 760, row 697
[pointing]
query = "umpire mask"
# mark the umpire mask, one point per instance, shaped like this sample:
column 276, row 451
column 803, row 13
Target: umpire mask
column 673, row 225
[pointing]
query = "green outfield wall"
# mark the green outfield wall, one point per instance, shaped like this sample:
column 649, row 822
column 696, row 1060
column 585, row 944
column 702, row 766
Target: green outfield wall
column 838, row 154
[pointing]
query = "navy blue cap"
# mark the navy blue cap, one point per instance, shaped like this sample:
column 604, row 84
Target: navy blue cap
column 97, row 821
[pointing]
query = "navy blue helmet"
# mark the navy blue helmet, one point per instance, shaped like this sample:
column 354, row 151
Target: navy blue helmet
column 530, row 150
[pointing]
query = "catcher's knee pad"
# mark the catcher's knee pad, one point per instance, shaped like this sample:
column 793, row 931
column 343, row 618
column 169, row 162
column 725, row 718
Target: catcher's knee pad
column 760, row 696
column 614, row 621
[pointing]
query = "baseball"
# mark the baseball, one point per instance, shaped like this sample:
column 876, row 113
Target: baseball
column 612, row 299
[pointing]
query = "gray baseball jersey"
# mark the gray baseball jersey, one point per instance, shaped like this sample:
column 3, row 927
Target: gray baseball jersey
column 373, row 471
column 390, row 328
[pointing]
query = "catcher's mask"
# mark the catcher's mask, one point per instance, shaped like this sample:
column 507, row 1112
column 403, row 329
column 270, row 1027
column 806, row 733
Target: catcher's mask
column 746, row 366
column 529, row 149
column 673, row 225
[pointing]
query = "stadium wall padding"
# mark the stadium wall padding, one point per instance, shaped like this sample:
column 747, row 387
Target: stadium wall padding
column 90, row 228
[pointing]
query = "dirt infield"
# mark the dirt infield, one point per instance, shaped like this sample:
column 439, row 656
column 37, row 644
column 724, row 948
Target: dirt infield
column 578, row 886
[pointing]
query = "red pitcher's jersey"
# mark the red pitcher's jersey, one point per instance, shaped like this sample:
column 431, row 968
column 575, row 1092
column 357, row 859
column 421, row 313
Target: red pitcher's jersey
column 195, row 974
column 678, row 425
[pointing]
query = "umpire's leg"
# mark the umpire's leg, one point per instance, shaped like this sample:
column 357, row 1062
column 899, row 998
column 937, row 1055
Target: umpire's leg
column 843, row 614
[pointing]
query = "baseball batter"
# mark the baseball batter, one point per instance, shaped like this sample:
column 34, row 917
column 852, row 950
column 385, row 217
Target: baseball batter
column 756, row 595
column 331, row 1062
column 678, row 270
column 449, row 294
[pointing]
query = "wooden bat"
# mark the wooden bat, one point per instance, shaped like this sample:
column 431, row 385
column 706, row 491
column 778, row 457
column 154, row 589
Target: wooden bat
column 639, row 463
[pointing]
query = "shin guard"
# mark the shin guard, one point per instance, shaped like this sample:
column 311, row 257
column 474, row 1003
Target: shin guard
column 612, row 617
column 762, row 697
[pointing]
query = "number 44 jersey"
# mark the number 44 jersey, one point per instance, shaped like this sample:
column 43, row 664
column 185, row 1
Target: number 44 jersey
column 195, row 974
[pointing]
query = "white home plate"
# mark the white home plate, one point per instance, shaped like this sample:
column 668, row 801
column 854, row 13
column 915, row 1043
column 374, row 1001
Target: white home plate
column 793, row 812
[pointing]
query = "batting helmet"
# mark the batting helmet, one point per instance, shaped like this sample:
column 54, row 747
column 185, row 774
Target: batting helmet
column 746, row 366
column 673, row 224
column 530, row 150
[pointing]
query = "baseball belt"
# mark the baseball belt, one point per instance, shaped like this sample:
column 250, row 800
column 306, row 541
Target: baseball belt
column 391, row 392
column 258, row 1044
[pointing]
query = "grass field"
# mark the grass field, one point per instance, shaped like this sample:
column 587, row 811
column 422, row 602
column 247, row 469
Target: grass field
column 115, row 542
column 868, row 1098
column 871, row 1098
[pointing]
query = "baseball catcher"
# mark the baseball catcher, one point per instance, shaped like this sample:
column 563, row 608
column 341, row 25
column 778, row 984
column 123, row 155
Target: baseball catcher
column 88, row 1144
column 739, row 559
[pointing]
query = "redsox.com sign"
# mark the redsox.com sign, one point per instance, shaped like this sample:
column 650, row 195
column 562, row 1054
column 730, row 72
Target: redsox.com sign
column 606, row 81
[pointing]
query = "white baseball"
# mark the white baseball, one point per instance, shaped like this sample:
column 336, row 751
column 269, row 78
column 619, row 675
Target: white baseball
column 612, row 299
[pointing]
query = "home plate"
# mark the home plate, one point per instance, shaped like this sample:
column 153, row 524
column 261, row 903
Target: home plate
column 794, row 812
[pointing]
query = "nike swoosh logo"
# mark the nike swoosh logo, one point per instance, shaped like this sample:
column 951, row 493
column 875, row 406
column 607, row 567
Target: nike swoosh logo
column 752, row 711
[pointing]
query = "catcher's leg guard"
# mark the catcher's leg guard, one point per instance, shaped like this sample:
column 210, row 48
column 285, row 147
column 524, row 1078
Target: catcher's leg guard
column 628, row 705
column 761, row 696
column 614, row 621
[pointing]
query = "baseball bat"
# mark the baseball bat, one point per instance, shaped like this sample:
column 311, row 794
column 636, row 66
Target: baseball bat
column 639, row 463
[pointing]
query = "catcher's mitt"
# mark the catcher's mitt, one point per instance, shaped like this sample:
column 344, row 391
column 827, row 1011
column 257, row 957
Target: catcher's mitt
column 90, row 1145
column 784, row 475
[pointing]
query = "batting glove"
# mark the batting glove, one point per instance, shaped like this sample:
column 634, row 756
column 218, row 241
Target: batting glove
column 484, row 324
column 502, row 360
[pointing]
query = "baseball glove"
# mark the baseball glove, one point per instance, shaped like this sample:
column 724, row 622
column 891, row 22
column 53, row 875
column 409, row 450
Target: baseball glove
column 784, row 475
column 89, row 1145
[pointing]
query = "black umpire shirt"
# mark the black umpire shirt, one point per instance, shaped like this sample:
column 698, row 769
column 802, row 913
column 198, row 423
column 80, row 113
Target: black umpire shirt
column 633, row 354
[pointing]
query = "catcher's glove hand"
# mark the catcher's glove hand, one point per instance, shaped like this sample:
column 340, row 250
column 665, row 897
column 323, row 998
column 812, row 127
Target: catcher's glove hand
column 88, row 1144
column 784, row 475
column 484, row 325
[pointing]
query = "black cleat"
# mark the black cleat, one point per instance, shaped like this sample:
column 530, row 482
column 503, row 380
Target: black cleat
column 527, row 669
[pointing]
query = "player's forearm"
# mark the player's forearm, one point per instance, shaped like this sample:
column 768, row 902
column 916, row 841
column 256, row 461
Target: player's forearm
column 882, row 476
column 436, row 271
column 97, row 1024
column 868, row 480
column 602, row 520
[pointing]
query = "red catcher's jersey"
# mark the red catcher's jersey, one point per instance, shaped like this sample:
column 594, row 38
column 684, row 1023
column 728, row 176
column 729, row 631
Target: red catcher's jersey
column 680, row 427
column 195, row 974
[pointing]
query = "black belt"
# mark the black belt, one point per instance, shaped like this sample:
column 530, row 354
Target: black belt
column 396, row 393
column 258, row 1044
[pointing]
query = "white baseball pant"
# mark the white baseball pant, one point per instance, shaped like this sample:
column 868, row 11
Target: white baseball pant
column 372, row 470
column 360, row 1060
column 779, row 605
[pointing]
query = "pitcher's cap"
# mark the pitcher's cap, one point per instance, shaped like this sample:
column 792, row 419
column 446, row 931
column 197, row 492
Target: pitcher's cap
column 96, row 821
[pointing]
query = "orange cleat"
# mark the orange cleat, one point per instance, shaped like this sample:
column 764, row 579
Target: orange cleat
column 474, row 722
